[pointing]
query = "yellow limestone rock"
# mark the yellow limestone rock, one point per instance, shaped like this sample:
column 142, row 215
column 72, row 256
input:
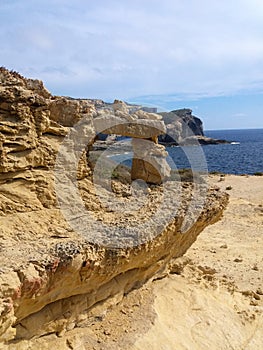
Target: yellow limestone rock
column 53, row 273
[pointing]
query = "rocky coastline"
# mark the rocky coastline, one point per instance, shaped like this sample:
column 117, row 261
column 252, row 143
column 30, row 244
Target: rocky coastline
column 182, row 128
column 185, row 129
column 62, row 270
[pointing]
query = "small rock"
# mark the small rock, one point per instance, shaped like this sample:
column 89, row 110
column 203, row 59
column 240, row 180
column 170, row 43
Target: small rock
column 259, row 291
column 177, row 266
column 247, row 293
column 59, row 231
column 253, row 303
column 224, row 246
column 71, row 326
column 255, row 267
column 238, row 260
column 250, row 293
column 207, row 270
column 136, row 305
column 208, row 277
column 256, row 296
column 61, row 333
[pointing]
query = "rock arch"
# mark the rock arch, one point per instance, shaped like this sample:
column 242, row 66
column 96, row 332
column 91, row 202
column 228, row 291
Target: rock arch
column 149, row 161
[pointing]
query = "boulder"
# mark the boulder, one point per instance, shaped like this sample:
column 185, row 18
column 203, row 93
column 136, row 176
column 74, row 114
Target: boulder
column 149, row 162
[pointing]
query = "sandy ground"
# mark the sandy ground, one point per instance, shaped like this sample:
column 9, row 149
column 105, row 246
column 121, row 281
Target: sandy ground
column 213, row 301
column 216, row 302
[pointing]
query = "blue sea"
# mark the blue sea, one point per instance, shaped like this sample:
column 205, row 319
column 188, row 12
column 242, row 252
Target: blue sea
column 243, row 156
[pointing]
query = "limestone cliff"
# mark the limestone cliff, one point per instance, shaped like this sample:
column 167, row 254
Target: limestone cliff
column 54, row 269
column 180, row 124
column 183, row 128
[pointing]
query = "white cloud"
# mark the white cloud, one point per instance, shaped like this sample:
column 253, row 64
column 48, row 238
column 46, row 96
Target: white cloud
column 240, row 115
column 109, row 48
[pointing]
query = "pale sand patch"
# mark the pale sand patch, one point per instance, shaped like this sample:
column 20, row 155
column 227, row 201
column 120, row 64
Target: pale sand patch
column 192, row 317
column 221, row 309
column 234, row 245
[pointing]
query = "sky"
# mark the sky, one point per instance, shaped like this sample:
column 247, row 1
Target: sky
column 206, row 55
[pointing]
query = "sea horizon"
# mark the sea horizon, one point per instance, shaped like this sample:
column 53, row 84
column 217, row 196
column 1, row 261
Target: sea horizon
column 233, row 129
column 243, row 155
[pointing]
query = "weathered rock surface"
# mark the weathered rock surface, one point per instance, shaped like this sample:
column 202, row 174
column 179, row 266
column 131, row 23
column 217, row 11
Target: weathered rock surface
column 180, row 124
column 52, row 277
column 120, row 121
column 149, row 162
column 120, row 126
column 184, row 129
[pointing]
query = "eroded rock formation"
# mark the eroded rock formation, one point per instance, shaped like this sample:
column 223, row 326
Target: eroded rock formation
column 180, row 125
column 149, row 162
column 52, row 276
column 183, row 128
column 139, row 125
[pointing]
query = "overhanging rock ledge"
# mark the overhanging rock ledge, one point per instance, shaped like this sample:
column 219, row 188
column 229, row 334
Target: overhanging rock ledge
column 51, row 277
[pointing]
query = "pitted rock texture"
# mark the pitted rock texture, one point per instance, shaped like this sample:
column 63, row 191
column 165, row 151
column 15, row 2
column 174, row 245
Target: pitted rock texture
column 149, row 162
column 52, row 277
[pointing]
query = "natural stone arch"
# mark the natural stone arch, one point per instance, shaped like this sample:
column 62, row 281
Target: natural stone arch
column 149, row 161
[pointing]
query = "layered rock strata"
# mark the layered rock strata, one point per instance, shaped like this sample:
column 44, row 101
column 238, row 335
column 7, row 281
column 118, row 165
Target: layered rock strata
column 55, row 277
